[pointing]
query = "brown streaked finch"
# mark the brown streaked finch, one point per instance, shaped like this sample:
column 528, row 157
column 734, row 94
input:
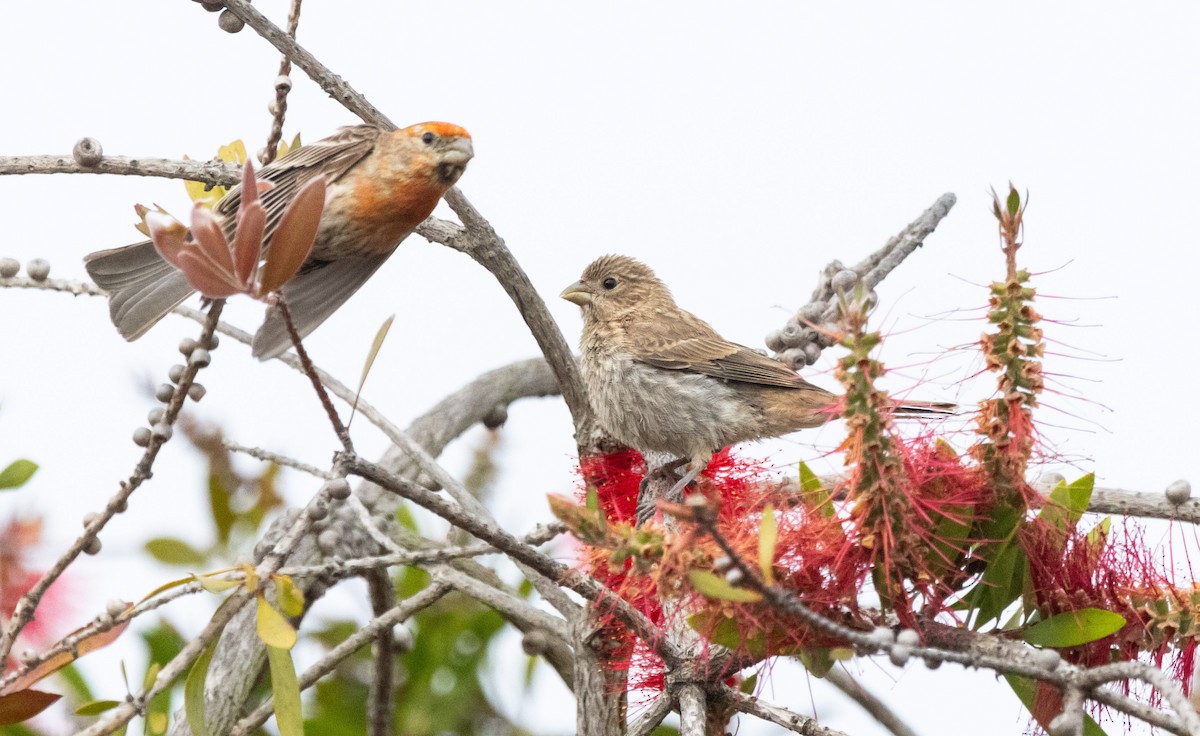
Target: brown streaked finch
column 660, row 379
column 381, row 185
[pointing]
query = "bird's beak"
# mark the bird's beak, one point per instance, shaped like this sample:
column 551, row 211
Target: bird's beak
column 577, row 293
column 459, row 151
column 453, row 160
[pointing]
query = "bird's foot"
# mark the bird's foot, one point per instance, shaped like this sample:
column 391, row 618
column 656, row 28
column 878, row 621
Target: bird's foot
column 675, row 495
column 650, row 489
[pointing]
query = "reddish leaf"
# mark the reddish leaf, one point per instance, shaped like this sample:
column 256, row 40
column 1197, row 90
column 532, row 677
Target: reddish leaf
column 169, row 235
column 55, row 663
column 23, row 705
column 204, row 276
column 210, row 239
column 249, row 187
column 293, row 240
column 247, row 242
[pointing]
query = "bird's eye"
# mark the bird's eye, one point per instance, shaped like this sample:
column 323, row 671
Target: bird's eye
column 610, row 283
column 428, row 138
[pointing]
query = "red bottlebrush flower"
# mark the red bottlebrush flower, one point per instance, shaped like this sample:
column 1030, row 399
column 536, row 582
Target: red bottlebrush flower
column 16, row 538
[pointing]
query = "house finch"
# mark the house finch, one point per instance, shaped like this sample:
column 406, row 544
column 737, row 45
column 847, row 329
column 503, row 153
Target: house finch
column 660, row 379
column 381, row 186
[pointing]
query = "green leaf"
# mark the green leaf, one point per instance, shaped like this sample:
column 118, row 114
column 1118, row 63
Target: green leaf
column 1002, row 582
column 1098, row 534
column 74, row 680
column 813, row 492
column 156, row 723
column 768, row 535
column 23, row 705
column 285, row 692
column 1026, row 690
column 1073, row 628
column 711, row 586
column 1014, row 201
column 175, row 552
column 193, row 690
column 949, row 538
column 17, row 473
column 215, row 585
column 222, row 512
column 291, row 598
column 376, row 344
column 1068, row 502
column 530, row 666
column 96, row 707
column 816, row 661
column 725, row 632
column 747, row 685
column 151, row 675
column 273, row 628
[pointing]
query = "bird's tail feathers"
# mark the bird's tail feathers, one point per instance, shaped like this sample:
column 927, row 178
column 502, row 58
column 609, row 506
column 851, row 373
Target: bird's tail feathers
column 909, row 408
column 142, row 287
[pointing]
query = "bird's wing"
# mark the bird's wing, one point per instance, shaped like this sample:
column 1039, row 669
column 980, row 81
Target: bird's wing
column 311, row 296
column 690, row 344
column 331, row 157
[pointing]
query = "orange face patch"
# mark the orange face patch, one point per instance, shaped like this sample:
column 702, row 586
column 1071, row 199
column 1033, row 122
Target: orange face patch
column 444, row 130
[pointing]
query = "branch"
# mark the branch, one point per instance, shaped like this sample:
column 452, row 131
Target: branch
column 477, row 239
column 883, row 640
column 360, row 566
column 693, row 711
column 359, row 639
column 210, row 172
column 652, row 717
column 793, row 722
column 879, row 710
column 1146, row 504
column 800, row 341
column 89, row 542
column 582, row 584
column 382, row 593
column 337, row 87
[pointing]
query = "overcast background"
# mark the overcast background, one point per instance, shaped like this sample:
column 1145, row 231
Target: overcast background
column 734, row 147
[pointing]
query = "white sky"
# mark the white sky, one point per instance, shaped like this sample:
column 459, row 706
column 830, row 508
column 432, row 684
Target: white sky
column 736, row 148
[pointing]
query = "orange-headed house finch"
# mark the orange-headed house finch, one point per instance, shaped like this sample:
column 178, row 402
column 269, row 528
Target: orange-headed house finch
column 660, row 379
column 381, row 185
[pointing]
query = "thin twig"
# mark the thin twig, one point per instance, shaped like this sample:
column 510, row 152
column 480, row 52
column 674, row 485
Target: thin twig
column 283, row 85
column 477, row 238
column 271, row 562
column 879, row 710
column 783, row 717
column 337, row 87
column 359, row 639
column 274, row 457
column 362, row 565
column 652, row 716
column 582, row 584
column 100, row 624
column 311, row 371
column 867, row 643
column 26, row 607
column 802, row 337
column 380, row 696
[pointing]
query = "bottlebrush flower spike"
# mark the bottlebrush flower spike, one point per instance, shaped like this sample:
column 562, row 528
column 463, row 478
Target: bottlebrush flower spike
column 220, row 269
column 1014, row 351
